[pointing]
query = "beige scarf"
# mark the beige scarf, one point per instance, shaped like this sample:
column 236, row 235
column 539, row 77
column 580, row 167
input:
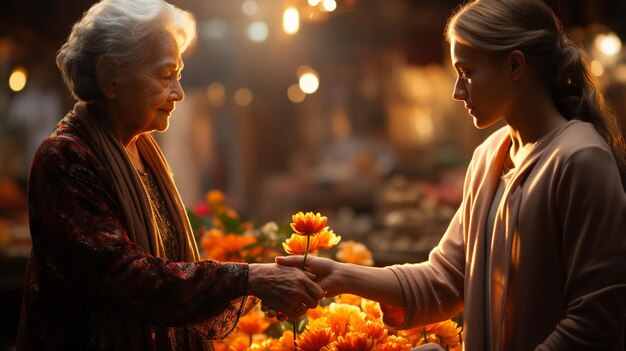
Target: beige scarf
column 129, row 332
column 129, row 189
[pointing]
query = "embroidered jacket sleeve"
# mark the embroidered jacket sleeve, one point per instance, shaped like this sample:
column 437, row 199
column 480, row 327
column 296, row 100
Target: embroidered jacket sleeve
column 80, row 238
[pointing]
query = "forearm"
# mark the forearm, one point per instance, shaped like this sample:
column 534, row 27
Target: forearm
column 374, row 283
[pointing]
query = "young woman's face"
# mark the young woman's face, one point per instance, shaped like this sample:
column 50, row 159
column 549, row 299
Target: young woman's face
column 483, row 84
column 147, row 95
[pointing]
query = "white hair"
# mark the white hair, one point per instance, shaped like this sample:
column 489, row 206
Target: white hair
column 119, row 29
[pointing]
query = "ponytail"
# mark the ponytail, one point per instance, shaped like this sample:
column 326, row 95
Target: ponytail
column 578, row 95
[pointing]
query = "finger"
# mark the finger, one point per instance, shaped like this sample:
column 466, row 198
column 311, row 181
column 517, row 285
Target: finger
column 315, row 291
column 310, row 275
column 292, row 260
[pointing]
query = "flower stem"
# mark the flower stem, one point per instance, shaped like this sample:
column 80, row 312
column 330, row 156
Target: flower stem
column 306, row 251
column 295, row 333
column 295, row 320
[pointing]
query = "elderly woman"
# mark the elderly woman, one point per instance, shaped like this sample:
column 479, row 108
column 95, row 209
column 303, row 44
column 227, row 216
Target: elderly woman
column 114, row 263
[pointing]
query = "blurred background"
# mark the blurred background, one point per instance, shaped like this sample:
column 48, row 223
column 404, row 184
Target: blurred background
column 337, row 106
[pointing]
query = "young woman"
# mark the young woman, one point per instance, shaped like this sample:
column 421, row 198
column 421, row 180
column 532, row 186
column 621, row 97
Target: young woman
column 536, row 254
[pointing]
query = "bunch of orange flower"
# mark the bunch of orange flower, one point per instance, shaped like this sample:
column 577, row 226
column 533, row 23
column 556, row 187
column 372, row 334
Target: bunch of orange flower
column 224, row 237
column 343, row 323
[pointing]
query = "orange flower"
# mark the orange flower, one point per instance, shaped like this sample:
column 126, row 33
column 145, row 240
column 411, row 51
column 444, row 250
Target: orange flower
column 349, row 299
column 342, row 316
column 375, row 329
column 285, row 343
column 254, row 322
column 316, row 313
column 327, row 239
column 394, row 343
column 296, row 244
column 308, row 224
column 215, row 198
column 315, row 339
column 371, row 309
column 448, row 332
column 240, row 343
column 353, row 252
column 353, row 342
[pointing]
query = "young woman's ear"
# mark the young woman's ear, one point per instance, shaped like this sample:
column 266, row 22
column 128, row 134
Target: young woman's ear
column 106, row 76
column 516, row 62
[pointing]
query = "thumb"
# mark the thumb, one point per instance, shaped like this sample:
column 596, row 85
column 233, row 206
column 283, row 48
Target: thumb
column 292, row 260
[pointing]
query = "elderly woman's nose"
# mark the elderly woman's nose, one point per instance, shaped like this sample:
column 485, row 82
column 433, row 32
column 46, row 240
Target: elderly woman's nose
column 177, row 94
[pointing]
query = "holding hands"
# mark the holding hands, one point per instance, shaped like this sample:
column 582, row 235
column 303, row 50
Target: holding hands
column 288, row 290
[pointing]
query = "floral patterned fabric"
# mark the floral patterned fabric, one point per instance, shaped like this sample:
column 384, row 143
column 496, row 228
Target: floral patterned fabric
column 84, row 270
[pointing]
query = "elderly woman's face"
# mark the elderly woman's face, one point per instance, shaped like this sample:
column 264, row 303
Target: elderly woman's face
column 146, row 95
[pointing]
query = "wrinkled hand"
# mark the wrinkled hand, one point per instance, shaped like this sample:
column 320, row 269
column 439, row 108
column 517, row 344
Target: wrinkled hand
column 283, row 289
column 325, row 270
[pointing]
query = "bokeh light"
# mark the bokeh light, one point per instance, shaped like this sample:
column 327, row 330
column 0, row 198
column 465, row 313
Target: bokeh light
column 216, row 93
column 258, row 31
column 249, row 7
column 291, row 20
column 609, row 44
column 243, row 96
column 295, row 94
column 18, row 78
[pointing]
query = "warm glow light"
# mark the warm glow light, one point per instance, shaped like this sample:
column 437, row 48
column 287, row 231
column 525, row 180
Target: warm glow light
column 258, row 31
column 243, row 96
column 609, row 44
column 309, row 82
column 249, row 7
column 329, row 5
column 596, row 68
column 314, row 2
column 295, row 95
column 216, row 94
column 17, row 80
column 291, row 20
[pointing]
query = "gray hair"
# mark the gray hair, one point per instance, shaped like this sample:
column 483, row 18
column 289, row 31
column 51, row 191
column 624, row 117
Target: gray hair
column 119, row 29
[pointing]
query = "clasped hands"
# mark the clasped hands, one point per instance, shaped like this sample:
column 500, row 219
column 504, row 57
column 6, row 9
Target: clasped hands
column 287, row 290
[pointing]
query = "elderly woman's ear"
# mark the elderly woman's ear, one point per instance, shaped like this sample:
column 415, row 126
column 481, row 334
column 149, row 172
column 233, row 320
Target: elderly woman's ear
column 106, row 76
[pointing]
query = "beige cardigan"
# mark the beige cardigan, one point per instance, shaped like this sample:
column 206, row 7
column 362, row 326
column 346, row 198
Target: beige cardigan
column 558, row 255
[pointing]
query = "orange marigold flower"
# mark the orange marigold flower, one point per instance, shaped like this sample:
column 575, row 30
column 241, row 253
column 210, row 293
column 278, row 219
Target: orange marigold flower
column 349, row 299
column 321, row 323
column 240, row 343
column 371, row 309
column 296, row 244
column 326, row 239
column 448, row 332
column 394, row 343
column 308, row 224
column 316, row 313
column 353, row 342
column 375, row 329
column 342, row 316
column 356, row 253
column 215, row 197
column 285, row 343
column 254, row 322
column 315, row 339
